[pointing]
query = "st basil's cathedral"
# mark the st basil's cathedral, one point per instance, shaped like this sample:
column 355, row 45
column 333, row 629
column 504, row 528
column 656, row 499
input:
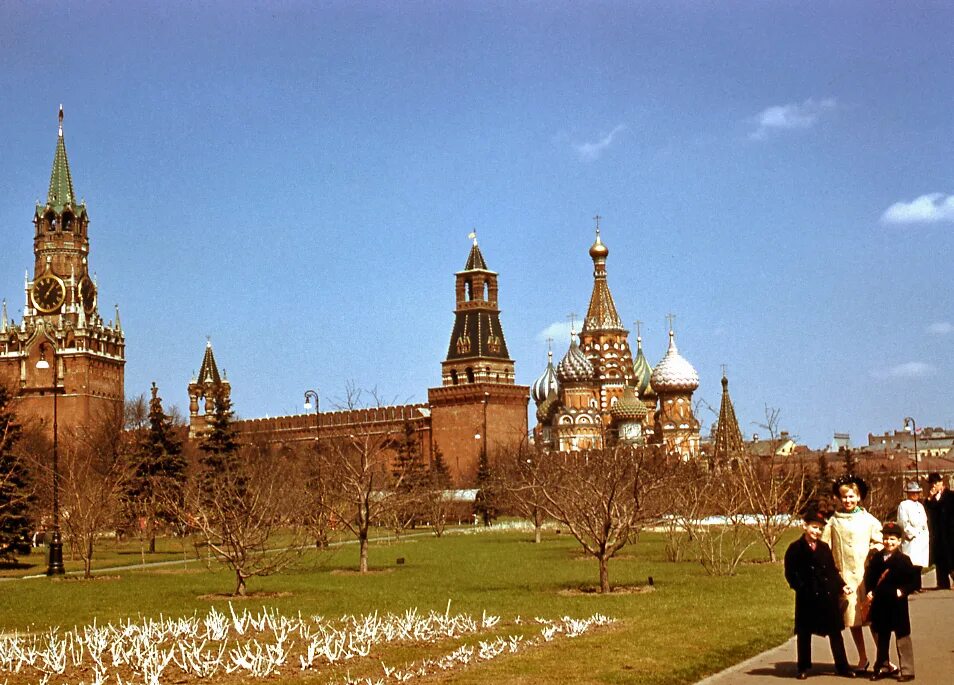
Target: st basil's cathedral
column 598, row 395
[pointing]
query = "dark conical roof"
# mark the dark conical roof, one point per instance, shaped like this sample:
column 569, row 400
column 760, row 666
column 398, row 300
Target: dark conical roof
column 728, row 437
column 209, row 371
column 475, row 260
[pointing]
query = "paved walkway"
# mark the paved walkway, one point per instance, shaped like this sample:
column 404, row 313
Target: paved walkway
column 932, row 632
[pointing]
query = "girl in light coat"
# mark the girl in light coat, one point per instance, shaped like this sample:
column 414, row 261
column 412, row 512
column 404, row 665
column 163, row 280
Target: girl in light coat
column 852, row 533
column 913, row 519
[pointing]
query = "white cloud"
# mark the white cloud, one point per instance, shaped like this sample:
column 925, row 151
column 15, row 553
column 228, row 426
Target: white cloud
column 906, row 370
column 941, row 327
column 591, row 151
column 559, row 331
column 927, row 209
column 790, row 116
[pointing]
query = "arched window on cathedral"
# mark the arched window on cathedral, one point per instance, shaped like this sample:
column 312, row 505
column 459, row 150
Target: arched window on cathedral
column 470, row 375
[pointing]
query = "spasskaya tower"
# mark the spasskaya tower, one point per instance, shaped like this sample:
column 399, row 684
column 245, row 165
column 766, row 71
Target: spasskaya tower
column 62, row 344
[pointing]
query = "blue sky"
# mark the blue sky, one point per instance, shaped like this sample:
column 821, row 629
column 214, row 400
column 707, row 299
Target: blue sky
column 297, row 181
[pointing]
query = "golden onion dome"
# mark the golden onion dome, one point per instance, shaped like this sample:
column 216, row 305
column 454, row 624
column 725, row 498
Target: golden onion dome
column 598, row 250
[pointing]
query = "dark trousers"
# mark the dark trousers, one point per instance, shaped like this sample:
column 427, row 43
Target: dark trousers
column 803, row 642
column 943, row 573
column 905, row 652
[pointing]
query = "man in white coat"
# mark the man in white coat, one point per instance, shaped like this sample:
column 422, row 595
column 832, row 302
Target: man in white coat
column 913, row 519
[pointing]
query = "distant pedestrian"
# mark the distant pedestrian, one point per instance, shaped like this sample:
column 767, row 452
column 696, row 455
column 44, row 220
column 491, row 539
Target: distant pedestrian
column 811, row 573
column 940, row 510
column 913, row 519
column 853, row 533
column 890, row 579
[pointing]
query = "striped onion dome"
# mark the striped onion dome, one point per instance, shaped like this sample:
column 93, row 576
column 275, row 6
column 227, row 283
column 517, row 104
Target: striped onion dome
column 575, row 367
column 629, row 407
column 642, row 371
column 673, row 373
column 546, row 383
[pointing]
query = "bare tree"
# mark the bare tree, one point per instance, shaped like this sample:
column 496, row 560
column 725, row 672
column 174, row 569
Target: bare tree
column 95, row 470
column 237, row 512
column 366, row 486
column 604, row 496
column 726, row 536
column 520, row 479
column 775, row 487
column 438, row 500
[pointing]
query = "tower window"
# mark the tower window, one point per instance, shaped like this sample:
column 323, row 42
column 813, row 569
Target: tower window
column 454, row 379
column 470, row 375
column 468, row 291
column 486, row 294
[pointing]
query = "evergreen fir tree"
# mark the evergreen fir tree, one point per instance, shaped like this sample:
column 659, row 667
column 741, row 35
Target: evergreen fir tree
column 439, row 474
column 219, row 446
column 485, row 503
column 15, row 481
column 160, row 473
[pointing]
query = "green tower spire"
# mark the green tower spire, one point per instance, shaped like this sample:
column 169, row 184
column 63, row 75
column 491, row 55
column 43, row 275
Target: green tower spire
column 61, row 183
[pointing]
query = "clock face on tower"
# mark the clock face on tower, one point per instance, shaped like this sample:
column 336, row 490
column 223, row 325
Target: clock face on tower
column 48, row 293
column 87, row 293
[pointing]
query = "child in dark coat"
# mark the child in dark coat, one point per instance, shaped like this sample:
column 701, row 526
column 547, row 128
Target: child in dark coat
column 890, row 578
column 810, row 571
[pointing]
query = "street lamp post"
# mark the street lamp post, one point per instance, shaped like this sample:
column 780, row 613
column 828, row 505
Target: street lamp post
column 309, row 396
column 55, row 566
column 908, row 421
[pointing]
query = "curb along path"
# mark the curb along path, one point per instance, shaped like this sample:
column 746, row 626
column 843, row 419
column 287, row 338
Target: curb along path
column 932, row 632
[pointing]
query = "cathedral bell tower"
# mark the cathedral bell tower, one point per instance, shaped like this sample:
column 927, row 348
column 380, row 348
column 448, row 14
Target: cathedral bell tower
column 478, row 408
column 84, row 356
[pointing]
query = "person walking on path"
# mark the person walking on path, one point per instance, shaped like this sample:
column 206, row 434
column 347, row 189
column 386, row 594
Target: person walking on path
column 891, row 578
column 940, row 511
column 810, row 571
column 852, row 534
column 913, row 519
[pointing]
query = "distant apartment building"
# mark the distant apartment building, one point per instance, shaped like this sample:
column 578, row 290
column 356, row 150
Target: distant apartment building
column 933, row 442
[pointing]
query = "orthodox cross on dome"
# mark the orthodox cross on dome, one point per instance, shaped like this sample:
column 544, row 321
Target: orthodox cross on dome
column 473, row 235
column 672, row 319
column 597, row 220
column 723, row 370
column 639, row 329
column 571, row 317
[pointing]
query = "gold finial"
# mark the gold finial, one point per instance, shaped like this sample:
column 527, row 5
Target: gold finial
column 549, row 347
column 473, row 235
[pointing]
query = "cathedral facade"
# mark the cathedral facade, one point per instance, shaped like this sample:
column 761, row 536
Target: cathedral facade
column 599, row 395
column 62, row 346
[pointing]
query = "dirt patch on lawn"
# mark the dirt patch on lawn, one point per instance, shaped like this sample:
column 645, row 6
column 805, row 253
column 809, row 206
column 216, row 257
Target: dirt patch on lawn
column 250, row 595
column 369, row 572
column 594, row 591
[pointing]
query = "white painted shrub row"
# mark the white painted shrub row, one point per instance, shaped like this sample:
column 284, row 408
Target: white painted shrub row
column 257, row 645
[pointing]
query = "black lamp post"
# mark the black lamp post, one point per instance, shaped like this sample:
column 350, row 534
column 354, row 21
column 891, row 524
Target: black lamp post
column 914, row 431
column 55, row 567
column 309, row 396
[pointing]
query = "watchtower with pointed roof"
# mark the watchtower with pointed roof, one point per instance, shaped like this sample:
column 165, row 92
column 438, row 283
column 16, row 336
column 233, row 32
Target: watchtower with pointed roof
column 61, row 320
column 478, row 405
column 203, row 390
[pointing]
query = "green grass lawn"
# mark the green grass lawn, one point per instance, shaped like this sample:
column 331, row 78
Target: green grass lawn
column 691, row 625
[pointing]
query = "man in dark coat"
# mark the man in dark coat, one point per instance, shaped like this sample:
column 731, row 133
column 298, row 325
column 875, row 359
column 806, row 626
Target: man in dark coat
column 940, row 510
column 890, row 578
column 810, row 571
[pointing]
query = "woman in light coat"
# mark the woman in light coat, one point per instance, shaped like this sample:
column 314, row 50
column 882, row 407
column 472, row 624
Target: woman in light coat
column 913, row 519
column 852, row 533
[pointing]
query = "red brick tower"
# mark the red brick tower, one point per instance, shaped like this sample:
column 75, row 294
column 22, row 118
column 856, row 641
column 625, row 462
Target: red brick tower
column 478, row 406
column 61, row 322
